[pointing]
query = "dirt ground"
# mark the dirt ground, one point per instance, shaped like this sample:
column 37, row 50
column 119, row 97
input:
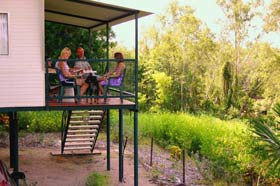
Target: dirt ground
column 43, row 169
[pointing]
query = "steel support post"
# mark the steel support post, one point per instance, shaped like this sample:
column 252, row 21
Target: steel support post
column 136, row 148
column 108, row 140
column 120, row 145
column 14, row 142
column 136, row 107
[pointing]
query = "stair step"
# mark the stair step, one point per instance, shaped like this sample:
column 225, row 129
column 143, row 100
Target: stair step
column 79, row 139
column 87, row 111
column 80, row 131
column 88, row 117
column 89, row 122
column 77, row 148
column 84, row 126
column 83, row 130
column 67, row 144
column 80, row 135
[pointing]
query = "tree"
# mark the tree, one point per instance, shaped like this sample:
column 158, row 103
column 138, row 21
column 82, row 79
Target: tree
column 163, row 90
column 182, row 48
column 239, row 17
column 263, row 73
column 209, row 73
column 272, row 22
column 227, row 79
column 58, row 36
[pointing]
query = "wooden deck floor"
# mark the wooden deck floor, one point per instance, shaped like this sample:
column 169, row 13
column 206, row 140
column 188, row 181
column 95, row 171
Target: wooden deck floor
column 111, row 102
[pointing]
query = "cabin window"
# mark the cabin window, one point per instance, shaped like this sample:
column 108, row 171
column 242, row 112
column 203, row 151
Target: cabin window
column 4, row 40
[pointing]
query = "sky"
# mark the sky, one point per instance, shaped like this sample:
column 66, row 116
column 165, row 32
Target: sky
column 206, row 10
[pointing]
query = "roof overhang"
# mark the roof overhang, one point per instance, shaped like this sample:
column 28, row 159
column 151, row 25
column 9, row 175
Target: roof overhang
column 88, row 14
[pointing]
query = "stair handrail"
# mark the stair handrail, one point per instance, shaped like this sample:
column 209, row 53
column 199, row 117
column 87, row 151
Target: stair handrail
column 99, row 126
column 66, row 115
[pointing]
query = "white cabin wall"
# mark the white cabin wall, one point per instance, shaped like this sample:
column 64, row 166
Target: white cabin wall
column 22, row 81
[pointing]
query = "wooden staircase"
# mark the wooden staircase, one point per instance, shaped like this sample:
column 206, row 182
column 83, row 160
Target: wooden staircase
column 80, row 131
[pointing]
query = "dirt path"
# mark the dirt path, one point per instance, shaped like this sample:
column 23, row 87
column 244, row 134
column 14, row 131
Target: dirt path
column 43, row 169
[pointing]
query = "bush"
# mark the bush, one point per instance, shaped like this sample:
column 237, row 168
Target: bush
column 43, row 121
column 227, row 144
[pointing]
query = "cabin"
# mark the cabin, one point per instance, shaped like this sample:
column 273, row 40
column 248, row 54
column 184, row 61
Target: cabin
column 24, row 74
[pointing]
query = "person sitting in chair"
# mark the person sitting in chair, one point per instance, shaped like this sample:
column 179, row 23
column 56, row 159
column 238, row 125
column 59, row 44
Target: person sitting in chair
column 83, row 64
column 66, row 72
column 116, row 74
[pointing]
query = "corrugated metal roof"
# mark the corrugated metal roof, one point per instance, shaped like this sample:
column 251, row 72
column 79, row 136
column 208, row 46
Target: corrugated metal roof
column 88, row 13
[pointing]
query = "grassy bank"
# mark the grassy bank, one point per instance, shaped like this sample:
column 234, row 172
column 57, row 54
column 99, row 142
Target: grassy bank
column 225, row 144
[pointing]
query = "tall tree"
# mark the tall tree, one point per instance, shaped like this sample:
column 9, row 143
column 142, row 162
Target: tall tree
column 181, row 49
column 227, row 79
column 239, row 18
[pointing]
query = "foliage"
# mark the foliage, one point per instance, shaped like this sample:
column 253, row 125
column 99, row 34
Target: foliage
column 97, row 179
column 273, row 16
column 94, row 42
column 4, row 119
column 175, row 152
column 163, row 90
column 270, row 139
column 233, row 75
column 227, row 78
column 182, row 52
column 45, row 121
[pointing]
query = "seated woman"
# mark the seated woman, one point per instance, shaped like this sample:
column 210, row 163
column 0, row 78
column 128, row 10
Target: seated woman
column 117, row 74
column 66, row 72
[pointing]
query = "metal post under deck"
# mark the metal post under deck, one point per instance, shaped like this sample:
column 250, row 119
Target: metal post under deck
column 108, row 140
column 136, row 105
column 135, row 148
column 13, row 120
column 47, row 88
column 108, row 110
column 107, row 48
column 120, row 145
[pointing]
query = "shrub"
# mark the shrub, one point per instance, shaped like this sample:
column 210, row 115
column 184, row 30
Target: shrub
column 44, row 121
column 175, row 152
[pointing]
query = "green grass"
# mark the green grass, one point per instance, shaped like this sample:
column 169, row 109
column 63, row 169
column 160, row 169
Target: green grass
column 98, row 179
column 225, row 144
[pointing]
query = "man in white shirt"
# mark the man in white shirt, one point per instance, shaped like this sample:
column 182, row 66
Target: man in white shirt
column 83, row 64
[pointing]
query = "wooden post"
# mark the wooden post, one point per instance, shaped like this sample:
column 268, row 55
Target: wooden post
column 184, row 164
column 151, row 156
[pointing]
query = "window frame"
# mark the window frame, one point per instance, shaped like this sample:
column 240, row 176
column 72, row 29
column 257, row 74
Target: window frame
column 8, row 35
